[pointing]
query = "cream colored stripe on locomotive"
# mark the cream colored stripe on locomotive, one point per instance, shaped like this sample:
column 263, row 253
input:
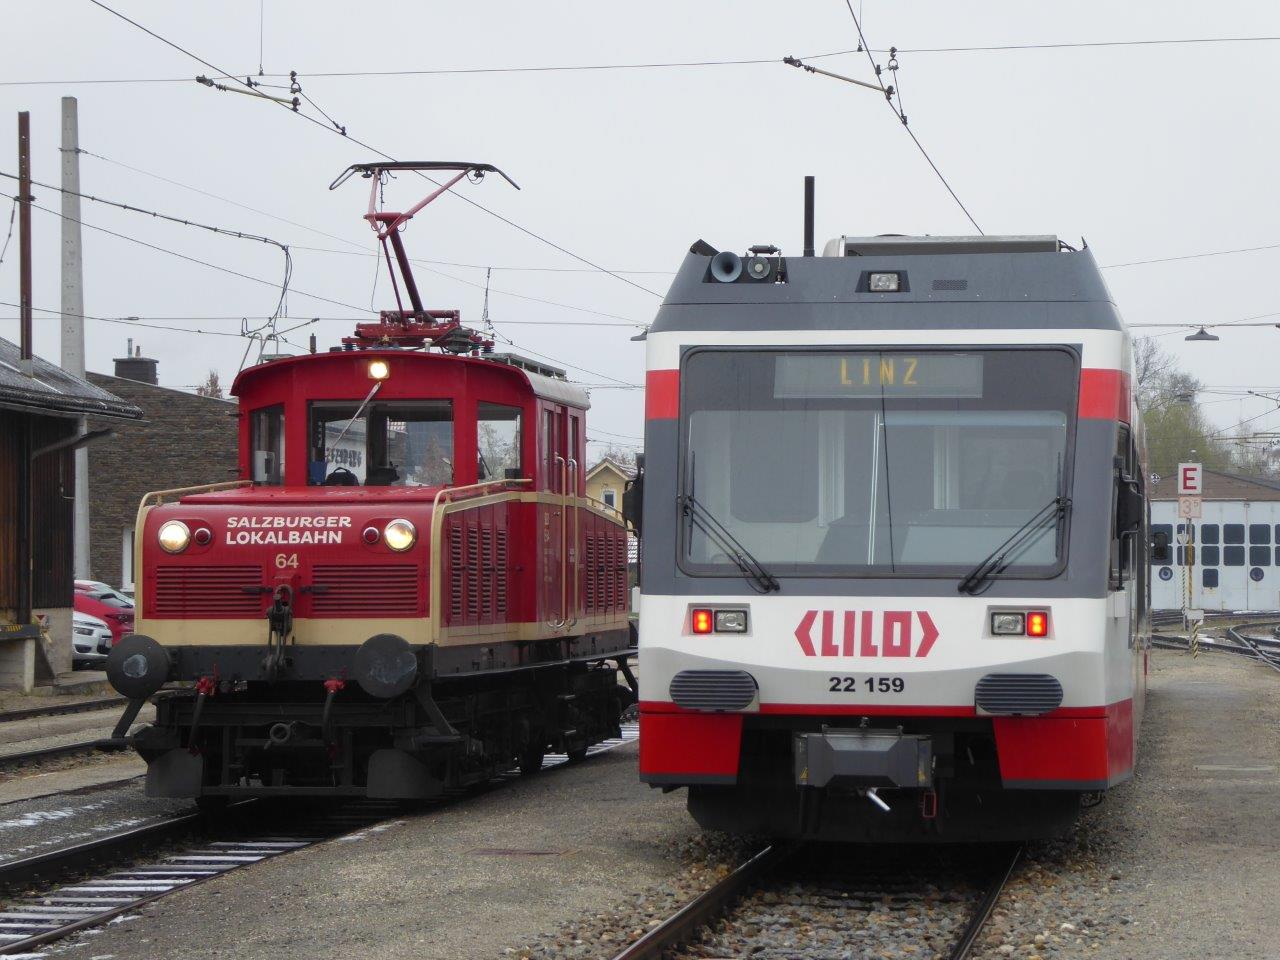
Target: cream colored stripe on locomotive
column 1099, row 348
column 331, row 632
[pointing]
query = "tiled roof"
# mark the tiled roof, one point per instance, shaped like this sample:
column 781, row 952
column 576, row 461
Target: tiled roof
column 626, row 471
column 51, row 390
column 1220, row 485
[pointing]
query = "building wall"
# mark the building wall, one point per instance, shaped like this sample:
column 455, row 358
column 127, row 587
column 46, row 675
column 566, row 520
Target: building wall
column 1236, row 560
column 52, row 489
column 185, row 440
column 604, row 481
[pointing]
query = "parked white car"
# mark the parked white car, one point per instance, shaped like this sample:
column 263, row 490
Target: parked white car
column 90, row 640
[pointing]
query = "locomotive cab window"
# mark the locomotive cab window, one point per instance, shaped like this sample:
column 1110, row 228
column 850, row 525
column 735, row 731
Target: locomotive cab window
column 497, row 442
column 877, row 462
column 267, row 453
column 401, row 444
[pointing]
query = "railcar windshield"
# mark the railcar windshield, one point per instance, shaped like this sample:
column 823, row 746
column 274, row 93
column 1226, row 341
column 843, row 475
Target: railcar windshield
column 876, row 462
column 401, row 444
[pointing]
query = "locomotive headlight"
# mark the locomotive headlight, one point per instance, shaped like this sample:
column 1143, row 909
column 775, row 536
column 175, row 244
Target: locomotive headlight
column 379, row 369
column 399, row 535
column 1008, row 624
column 174, row 535
column 884, row 283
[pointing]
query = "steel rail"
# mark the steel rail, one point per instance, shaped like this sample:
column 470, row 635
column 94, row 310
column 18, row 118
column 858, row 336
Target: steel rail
column 704, row 908
column 67, row 860
column 57, row 710
column 48, row 753
column 988, row 903
column 714, row 902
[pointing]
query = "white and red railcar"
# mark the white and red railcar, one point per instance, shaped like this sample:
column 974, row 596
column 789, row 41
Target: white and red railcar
column 894, row 583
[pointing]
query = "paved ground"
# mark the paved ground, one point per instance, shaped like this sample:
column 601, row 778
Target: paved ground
column 467, row 881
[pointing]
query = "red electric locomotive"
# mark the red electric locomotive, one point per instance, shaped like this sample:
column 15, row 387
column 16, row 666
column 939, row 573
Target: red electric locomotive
column 408, row 589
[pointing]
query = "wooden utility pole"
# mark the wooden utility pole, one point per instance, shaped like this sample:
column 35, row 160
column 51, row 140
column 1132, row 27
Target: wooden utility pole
column 24, row 237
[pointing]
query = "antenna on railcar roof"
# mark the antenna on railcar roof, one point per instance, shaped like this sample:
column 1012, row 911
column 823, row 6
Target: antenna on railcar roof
column 416, row 326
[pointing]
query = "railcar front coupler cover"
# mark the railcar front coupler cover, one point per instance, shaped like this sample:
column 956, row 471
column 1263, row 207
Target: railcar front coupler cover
column 863, row 758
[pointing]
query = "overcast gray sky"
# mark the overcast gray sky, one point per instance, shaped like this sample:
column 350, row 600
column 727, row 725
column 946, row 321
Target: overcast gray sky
column 1145, row 151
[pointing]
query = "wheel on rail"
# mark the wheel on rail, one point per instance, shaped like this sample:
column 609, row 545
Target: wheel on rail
column 212, row 806
column 531, row 760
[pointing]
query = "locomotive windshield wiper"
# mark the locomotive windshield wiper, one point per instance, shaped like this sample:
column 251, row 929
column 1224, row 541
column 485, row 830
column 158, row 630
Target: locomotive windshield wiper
column 999, row 559
column 716, row 531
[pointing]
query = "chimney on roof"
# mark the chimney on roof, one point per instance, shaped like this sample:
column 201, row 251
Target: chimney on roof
column 134, row 366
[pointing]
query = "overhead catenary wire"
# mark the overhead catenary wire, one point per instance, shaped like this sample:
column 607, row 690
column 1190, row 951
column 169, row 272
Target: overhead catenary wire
column 669, row 65
column 223, row 231
column 888, row 93
column 461, row 196
column 8, row 236
column 197, row 260
column 139, row 322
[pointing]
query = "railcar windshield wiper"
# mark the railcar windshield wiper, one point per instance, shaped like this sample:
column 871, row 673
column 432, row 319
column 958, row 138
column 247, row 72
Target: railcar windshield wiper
column 699, row 517
column 999, row 559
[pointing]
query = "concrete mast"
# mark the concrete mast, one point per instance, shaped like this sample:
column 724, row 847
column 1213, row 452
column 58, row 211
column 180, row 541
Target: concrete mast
column 73, row 315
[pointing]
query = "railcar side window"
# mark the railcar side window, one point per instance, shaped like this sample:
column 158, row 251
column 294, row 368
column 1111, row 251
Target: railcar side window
column 497, row 442
column 267, row 442
column 402, row 444
column 866, row 462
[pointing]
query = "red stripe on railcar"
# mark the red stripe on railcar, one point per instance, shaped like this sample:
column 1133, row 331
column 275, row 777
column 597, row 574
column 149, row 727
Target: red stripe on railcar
column 662, row 395
column 699, row 745
column 1104, row 394
column 1095, row 751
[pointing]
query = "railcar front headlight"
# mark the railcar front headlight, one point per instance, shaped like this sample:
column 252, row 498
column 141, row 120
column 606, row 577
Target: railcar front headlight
column 399, row 535
column 1008, row 624
column 174, row 535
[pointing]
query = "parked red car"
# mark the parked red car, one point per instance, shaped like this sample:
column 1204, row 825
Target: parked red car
column 107, row 604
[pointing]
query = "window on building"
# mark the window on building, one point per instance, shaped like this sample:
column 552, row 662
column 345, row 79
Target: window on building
column 1162, row 535
column 1259, row 556
column 1260, row 533
column 610, row 498
column 1209, row 578
column 1233, row 533
column 1208, row 533
column 126, row 560
column 267, row 429
column 1209, row 556
column 497, row 442
column 1232, row 556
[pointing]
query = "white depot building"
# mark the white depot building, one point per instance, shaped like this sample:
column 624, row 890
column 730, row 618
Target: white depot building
column 1236, row 560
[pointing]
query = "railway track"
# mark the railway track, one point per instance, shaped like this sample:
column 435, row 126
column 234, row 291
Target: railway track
column 827, row 902
column 246, row 833
column 62, row 709
column 1264, row 650
column 82, row 747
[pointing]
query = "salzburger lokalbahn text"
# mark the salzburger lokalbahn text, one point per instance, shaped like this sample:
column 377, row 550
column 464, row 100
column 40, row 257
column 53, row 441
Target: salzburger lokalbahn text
column 894, row 539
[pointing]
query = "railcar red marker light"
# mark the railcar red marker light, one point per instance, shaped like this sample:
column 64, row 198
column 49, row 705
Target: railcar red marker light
column 1037, row 624
column 703, row 621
